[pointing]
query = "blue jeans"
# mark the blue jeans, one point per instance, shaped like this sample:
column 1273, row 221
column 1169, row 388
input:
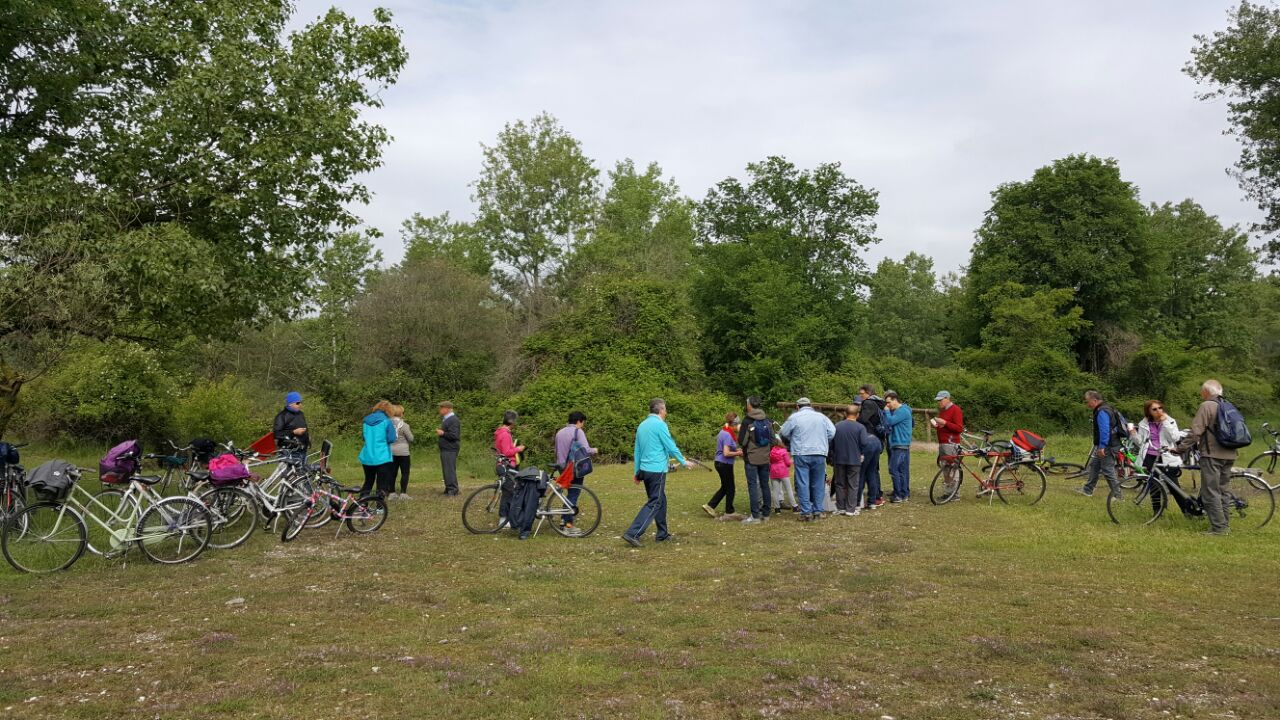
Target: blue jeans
column 655, row 510
column 900, row 471
column 574, row 491
column 869, row 487
column 811, row 482
column 758, row 490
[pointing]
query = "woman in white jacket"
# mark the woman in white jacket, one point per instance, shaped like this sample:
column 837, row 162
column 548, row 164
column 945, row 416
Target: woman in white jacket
column 1157, row 434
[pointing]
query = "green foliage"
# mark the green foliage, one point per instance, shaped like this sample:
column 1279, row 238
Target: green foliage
column 440, row 237
column 1157, row 370
column 1076, row 225
column 104, row 391
column 778, row 273
column 907, row 314
column 1029, row 335
column 1242, row 64
column 221, row 410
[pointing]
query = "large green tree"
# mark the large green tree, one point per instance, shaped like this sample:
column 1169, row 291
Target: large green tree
column 442, row 237
column 907, row 312
column 1075, row 225
column 1242, row 64
column 780, row 270
column 173, row 167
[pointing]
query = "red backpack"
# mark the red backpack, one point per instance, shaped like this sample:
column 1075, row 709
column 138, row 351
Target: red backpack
column 1027, row 440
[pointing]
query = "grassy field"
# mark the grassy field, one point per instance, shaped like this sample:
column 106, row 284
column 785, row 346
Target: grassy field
column 972, row 610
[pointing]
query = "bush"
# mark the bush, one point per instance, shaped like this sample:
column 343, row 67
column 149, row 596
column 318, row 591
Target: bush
column 221, row 410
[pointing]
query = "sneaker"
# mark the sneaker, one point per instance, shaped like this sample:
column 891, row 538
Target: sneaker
column 1082, row 491
column 765, row 518
column 751, row 521
column 502, row 522
column 709, row 510
column 796, row 509
column 877, row 503
column 896, row 500
column 1216, row 533
column 633, row 542
column 665, row 538
column 855, row 513
column 524, row 535
column 405, row 496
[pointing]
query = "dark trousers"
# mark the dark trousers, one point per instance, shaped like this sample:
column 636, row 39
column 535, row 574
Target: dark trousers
column 655, row 510
column 846, row 480
column 1158, row 498
column 758, row 490
column 384, row 475
column 727, row 490
column 402, row 468
column 449, row 465
column 869, row 488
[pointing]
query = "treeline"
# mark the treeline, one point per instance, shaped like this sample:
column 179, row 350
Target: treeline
column 140, row 301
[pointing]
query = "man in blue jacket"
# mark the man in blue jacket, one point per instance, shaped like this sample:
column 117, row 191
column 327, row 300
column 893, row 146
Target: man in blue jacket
column 1106, row 444
column 898, row 421
column 654, row 447
column 809, row 434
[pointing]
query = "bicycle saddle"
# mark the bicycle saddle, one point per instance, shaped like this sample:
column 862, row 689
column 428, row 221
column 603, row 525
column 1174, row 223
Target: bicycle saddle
column 198, row 474
column 354, row 490
column 147, row 479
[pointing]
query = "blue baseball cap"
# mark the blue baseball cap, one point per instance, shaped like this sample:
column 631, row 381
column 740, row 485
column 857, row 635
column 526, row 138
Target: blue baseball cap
column 292, row 397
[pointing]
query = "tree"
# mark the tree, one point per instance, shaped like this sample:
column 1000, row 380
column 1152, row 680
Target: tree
column 441, row 237
column 538, row 195
column 1242, row 64
column 139, row 137
column 907, row 312
column 1202, row 291
column 779, row 271
column 1075, row 225
column 1029, row 336
column 347, row 264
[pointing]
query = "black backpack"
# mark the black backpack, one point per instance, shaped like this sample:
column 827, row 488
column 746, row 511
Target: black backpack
column 1230, row 429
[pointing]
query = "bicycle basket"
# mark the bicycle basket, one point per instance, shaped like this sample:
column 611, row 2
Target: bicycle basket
column 52, row 481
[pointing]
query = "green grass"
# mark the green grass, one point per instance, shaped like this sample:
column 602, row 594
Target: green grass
column 968, row 611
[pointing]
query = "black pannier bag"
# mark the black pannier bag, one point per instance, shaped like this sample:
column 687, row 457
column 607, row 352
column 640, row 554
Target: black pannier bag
column 52, row 481
column 203, row 449
column 530, row 485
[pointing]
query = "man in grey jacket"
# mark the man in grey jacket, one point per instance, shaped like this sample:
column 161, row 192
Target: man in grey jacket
column 809, row 434
column 450, row 433
column 1215, row 460
column 755, row 439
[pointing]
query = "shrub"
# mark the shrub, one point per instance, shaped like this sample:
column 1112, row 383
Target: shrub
column 221, row 410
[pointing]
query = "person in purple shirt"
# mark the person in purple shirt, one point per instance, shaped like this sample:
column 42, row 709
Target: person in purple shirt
column 726, row 450
column 566, row 437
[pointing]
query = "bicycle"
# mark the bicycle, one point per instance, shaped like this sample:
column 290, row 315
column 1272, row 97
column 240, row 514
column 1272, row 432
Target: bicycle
column 1251, row 500
column 52, row 534
column 361, row 514
column 1266, row 462
column 482, row 511
column 13, row 486
column 1012, row 476
column 286, row 488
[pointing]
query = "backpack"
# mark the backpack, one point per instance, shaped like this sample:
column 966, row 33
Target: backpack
column 120, row 462
column 1121, row 428
column 52, row 481
column 226, row 469
column 1230, row 430
column 762, row 432
column 530, row 484
column 203, row 449
column 1028, row 441
column 9, row 454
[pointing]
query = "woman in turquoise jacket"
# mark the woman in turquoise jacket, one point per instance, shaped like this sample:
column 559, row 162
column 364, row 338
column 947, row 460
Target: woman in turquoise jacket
column 375, row 456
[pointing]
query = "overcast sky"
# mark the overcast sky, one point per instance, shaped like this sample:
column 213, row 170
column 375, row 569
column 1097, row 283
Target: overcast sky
column 933, row 104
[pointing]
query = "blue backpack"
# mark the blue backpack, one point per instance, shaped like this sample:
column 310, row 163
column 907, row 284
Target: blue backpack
column 762, row 432
column 1230, row 430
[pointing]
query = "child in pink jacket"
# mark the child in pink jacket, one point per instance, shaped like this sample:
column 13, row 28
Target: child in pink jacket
column 780, row 476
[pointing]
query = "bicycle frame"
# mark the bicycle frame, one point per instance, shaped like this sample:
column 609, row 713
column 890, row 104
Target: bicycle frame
column 122, row 529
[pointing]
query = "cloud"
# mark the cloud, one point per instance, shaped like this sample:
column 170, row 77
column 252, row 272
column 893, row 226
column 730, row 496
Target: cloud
column 934, row 104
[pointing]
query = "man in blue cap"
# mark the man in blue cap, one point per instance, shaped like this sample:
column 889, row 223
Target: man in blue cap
column 290, row 429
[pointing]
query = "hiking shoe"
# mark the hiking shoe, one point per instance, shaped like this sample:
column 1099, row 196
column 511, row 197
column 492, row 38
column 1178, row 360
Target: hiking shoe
column 751, row 521
column 1082, row 491
column 710, row 510
column 632, row 541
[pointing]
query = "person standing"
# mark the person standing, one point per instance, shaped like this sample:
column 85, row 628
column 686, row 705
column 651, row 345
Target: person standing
column 755, row 439
column 1106, row 444
column 503, row 443
column 571, row 440
column 450, row 435
column 809, row 433
column 290, row 430
column 949, row 424
column 654, row 447
column 1215, row 460
column 871, row 409
column 869, row 482
column 1157, row 435
column 726, row 450
column 846, row 461
column 780, row 476
column 376, row 456
column 400, row 451
column 898, row 422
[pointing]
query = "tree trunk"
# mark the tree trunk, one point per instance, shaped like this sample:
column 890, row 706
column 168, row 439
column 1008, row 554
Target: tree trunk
column 10, row 384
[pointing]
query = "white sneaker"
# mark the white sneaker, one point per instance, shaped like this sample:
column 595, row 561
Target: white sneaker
column 502, row 522
column 751, row 521
column 856, row 512
column 405, row 496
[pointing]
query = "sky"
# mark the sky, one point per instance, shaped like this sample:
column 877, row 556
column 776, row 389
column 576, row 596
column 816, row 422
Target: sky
column 933, row 104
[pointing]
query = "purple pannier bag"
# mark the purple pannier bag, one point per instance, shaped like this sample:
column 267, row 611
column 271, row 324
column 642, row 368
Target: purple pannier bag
column 120, row 462
column 226, row 469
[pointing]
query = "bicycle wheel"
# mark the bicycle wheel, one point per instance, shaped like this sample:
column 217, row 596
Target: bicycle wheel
column 1140, row 507
column 174, row 530
column 1266, row 466
column 320, row 513
column 44, row 537
column 367, row 515
column 946, row 485
column 234, row 516
column 116, row 514
column 295, row 519
column 1127, row 475
column 1250, row 501
column 581, row 523
column 480, row 513
column 1065, row 468
column 1020, row 484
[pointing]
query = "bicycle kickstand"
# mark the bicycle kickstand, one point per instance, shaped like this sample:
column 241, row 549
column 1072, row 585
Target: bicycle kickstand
column 541, row 519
